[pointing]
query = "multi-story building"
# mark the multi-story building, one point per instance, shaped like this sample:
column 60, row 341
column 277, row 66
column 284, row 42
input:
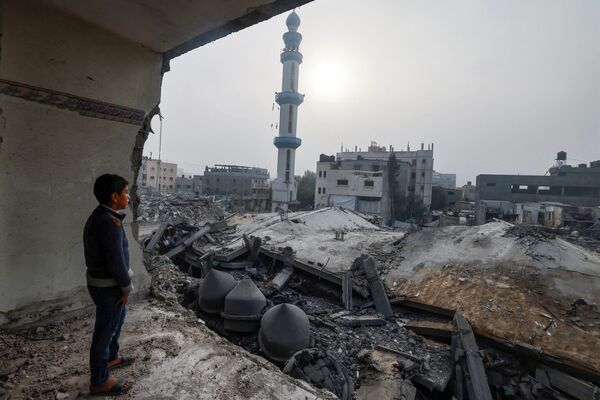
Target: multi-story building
column 359, row 180
column 157, row 174
column 577, row 186
column 190, row 184
column 248, row 187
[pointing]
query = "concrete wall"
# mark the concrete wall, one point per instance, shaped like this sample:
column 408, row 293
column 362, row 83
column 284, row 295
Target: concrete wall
column 50, row 157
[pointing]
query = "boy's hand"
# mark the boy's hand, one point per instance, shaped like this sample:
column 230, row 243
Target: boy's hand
column 123, row 299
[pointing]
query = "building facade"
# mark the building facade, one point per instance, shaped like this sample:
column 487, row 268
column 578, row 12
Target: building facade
column 193, row 184
column 158, row 175
column 285, row 187
column 359, row 180
column 577, row 186
column 248, row 187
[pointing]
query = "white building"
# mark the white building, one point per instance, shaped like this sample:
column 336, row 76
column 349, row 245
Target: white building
column 358, row 179
column 284, row 187
column 157, row 174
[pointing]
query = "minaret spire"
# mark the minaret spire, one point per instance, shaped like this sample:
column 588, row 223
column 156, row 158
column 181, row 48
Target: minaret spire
column 284, row 186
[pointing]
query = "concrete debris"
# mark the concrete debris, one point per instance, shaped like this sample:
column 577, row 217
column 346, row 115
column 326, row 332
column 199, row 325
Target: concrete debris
column 297, row 261
column 471, row 382
column 282, row 278
column 347, row 290
column 316, row 367
column 380, row 298
column 177, row 207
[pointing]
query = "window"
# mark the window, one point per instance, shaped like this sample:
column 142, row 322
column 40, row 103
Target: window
column 319, row 190
column 234, row 179
column 357, row 167
column 411, row 188
column 171, row 169
column 324, row 174
column 342, row 182
column 287, row 176
column 413, row 175
column 369, row 183
column 164, row 178
column 422, row 188
column 290, row 118
column 287, row 159
column 450, row 192
column 320, row 174
column 423, row 161
column 375, row 168
column 171, row 178
column 151, row 177
column 294, row 77
column 422, row 174
column 414, row 162
column 490, row 184
column 323, row 190
column 218, row 180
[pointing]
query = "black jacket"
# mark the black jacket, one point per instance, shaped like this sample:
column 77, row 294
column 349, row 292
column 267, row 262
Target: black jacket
column 106, row 250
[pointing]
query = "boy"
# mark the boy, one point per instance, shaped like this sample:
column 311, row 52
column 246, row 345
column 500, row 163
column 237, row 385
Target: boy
column 109, row 281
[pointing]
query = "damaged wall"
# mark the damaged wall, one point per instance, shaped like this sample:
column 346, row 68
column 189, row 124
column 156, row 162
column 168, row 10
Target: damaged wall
column 56, row 75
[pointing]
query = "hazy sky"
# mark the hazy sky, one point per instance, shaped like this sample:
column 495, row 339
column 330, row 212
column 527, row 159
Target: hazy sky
column 498, row 86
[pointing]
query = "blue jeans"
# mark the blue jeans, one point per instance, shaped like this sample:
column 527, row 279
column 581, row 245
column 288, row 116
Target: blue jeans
column 105, row 342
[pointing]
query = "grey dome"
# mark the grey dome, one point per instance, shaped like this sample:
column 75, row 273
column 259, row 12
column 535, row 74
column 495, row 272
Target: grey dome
column 284, row 330
column 243, row 307
column 213, row 289
column 293, row 21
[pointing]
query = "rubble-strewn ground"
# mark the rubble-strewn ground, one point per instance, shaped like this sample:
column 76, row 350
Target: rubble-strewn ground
column 177, row 357
column 513, row 283
column 510, row 285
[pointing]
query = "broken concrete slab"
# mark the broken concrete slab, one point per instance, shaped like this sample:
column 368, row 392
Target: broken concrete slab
column 382, row 303
column 347, row 290
column 467, row 355
column 282, row 278
column 362, row 320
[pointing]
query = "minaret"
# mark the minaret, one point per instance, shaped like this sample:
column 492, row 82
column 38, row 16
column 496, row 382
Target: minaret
column 284, row 186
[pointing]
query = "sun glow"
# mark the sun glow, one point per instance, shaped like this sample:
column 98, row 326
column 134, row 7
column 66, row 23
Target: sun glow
column 330, row 79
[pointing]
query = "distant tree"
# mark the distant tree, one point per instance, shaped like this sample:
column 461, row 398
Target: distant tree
column 439, row 200
column 306, row 190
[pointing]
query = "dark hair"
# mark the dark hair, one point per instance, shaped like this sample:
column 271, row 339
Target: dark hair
column 108, row 184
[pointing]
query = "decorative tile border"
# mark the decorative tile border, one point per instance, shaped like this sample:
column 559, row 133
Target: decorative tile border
column 81, row 105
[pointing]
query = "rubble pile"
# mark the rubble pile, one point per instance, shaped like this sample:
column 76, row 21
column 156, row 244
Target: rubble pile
column 588, row 238
column 366, row 341
column 175, row 207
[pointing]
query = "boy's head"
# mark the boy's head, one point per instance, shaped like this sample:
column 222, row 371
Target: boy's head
column 112, row 190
